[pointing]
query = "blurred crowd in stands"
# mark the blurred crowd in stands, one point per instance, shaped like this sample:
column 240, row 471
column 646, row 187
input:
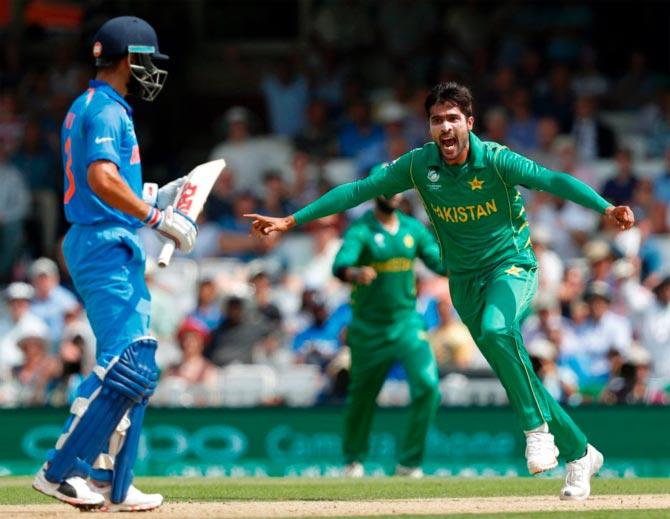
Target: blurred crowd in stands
column 243, row 321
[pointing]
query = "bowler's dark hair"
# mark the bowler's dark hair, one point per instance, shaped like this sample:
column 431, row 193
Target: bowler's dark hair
column 452, row 93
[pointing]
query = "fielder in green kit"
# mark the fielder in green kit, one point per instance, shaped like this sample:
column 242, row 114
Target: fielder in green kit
column 377, row 257
column 469, row 190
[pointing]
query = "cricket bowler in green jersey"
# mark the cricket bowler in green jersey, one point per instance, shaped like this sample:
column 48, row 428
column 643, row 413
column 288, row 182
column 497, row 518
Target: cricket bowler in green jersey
column 377, row 258
column 468, row 188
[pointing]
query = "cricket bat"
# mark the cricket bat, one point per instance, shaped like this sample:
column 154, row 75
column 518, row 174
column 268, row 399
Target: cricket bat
column 191, row 198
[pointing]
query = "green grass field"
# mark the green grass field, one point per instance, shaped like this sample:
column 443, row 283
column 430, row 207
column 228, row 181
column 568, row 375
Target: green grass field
column 17, row 491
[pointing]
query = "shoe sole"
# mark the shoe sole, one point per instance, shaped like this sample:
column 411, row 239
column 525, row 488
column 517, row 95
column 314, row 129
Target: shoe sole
column 72, row 501
column 122, row 508
column 543, row 469
column 540, row 470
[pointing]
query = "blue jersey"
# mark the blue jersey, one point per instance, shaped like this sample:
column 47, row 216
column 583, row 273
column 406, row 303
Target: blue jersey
column 98, row 126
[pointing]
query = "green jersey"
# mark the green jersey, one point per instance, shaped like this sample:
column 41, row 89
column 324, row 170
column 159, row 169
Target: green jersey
column 475, row 208
column 393, row 292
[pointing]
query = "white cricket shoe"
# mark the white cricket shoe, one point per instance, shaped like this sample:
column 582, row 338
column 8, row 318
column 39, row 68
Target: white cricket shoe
column 354, row 470
column 73, row 491
column 578, row 475
column 409, row 472
column 541, row 452
column 136, row 500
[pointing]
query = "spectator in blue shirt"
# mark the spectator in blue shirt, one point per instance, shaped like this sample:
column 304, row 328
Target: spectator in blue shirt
column 319, row 342
column 662, row 182
column 208, row 308
column 38, row 162
column 286, row 96
column 359, row 132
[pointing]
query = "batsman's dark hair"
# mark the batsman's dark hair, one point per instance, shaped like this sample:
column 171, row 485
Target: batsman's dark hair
column 451, row 92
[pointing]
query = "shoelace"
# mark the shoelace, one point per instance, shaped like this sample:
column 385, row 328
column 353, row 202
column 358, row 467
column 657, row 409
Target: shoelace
column 576, row 473
column 536, row 443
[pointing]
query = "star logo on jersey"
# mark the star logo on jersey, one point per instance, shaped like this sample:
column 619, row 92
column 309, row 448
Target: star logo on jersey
column 379, row 239
column 514, row 271
column 475, row 183
column 408, row 241
column 100, row 140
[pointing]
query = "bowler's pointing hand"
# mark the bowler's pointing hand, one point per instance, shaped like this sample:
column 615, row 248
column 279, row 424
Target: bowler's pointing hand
column 264, row 225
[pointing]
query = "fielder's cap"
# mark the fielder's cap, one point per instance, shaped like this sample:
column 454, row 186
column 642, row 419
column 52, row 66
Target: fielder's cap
column 17, row 291
column 598, row 289
column 122, row 35
column 38, row 331
column 43, row 266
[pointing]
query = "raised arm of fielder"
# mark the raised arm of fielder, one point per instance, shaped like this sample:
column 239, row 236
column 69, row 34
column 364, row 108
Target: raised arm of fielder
column 515, row 169
column 386, row 180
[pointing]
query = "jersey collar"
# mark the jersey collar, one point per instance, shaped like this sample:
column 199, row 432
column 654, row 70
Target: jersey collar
column 109, row 90
column 475, row 158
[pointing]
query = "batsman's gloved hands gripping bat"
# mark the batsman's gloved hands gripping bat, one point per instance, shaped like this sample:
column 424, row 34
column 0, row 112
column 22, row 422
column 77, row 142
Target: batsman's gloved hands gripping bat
column 175, row 225
column 163, row 196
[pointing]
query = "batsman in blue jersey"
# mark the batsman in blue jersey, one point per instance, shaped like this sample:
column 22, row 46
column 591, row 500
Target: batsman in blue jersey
column 106, row 202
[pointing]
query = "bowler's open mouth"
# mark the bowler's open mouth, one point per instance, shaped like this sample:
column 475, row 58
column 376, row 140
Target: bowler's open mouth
column 448, row 143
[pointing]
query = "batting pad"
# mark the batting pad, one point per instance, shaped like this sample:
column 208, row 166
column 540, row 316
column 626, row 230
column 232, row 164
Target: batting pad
column 125, row 460
column 130, row 380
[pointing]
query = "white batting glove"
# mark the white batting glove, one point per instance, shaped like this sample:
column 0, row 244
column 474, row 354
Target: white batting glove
column 164, row 196
column 174, row 225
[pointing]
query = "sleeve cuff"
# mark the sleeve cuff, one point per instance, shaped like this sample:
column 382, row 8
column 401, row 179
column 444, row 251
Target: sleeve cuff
column 104, row 156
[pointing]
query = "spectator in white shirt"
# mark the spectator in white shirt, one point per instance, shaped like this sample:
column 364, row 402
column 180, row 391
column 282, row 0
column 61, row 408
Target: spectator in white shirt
column 655, row 330
column 600, row 332
column 51, row 301
column 18, row 318
column 551, row 266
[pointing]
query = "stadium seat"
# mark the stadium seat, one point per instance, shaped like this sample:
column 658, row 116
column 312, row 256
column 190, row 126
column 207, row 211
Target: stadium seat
column 454, row 389
column 621, row 122
column 179, row 278
column 247, row 385
column 171, row 392
column 650, row 168
column 340, row 170
column 457, row 389
column 394, row 393
column 486, row 391
column 297, row 248
column 602, row 170
column 299, row 386
column 216, row 268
